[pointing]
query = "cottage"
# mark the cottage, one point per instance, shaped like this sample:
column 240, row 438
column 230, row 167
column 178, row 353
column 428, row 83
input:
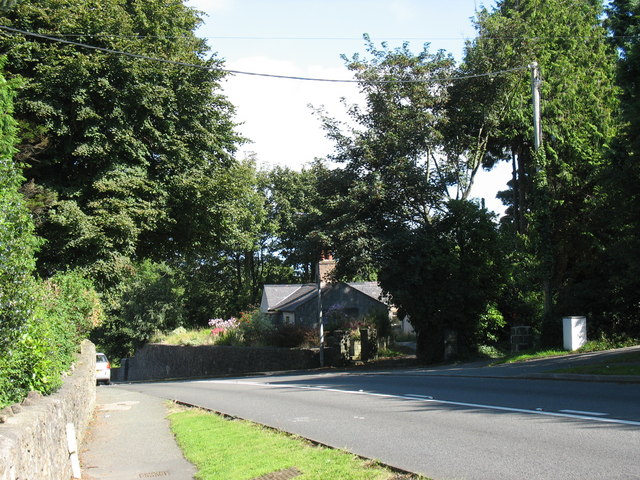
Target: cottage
column 298, row 304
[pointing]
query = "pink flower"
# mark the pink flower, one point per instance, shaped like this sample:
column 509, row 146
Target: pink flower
column 217, row 331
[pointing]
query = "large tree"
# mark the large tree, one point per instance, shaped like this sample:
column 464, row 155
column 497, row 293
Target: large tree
column 553, row 191
column 619, row 210
column 107, row 138
column 395, row 212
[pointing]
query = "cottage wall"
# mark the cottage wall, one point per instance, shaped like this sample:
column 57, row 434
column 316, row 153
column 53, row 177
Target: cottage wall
column 338, row 294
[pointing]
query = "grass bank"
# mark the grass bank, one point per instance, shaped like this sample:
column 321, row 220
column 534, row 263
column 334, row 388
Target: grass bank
column 241, row 450
column 590, row 346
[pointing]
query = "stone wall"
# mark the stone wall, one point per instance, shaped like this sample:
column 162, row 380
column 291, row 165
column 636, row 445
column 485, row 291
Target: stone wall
column 521, row 338
column 33, row 438
column 160, row 362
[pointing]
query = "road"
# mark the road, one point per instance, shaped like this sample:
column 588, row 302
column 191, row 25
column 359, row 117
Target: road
column 442, row 426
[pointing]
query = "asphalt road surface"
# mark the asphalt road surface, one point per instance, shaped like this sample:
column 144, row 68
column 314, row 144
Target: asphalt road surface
column 444, row 427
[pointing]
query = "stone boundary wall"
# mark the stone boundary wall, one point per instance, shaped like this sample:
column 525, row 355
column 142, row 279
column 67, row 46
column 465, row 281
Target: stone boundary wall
column 33, row 434
column 161, row 362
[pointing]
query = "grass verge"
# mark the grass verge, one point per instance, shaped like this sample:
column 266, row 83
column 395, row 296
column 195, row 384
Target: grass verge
column 241, row 450
column 603, row 369
column 529, row 355
column 590, row 346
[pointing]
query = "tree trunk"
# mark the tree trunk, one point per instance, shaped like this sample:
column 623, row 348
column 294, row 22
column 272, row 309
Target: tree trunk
column 430, row 345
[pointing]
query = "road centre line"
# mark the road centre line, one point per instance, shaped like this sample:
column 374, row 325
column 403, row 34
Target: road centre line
column 592, row 416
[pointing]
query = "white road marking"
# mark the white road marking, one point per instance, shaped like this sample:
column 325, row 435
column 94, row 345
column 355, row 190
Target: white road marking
column 419, row 397
column 582, row 412
column 589, row 416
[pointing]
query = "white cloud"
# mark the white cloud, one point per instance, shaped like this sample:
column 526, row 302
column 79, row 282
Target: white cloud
column 401, row 11
column 276, row 114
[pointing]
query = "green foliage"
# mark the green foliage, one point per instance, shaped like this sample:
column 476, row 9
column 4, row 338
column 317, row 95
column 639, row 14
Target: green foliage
column 67, row 307
column 231, row 337
column 554, row 192
column 256, row 327
column 18, row 243
column 150, row 301
column 445, row 275
column 109, row 141
column 490, row 327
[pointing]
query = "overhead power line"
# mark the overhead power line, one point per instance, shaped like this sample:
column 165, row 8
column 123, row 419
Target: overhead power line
column 382, row 38
column 15, row 31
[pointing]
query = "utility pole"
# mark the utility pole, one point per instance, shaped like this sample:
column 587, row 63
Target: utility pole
column 535, row 94
column 320, row 320
column 537, row 142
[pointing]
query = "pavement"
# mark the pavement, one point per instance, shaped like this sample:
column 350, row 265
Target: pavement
column 129, row 437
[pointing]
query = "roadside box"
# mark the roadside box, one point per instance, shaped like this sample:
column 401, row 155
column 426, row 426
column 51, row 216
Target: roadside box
column 574, row 332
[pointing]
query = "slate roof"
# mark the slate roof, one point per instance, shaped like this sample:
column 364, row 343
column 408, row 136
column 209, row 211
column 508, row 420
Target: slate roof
column 289, row 297
column 372, row 289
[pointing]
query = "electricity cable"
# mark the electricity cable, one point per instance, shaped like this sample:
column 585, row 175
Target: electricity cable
column 239, row 72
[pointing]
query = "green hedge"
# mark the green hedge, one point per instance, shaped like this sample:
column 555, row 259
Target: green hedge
column 41, row 322
column 66, row 308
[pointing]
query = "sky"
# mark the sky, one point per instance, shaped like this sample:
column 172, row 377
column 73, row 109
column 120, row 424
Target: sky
column 306, row 38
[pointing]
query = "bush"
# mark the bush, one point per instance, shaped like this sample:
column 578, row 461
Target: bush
column 231, row 337
column 256, row 328
column 490, row 326
column 150, row 302
column 67, row 307
column 293, row 336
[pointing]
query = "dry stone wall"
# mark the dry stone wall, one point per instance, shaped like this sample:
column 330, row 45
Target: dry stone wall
column 33, row 434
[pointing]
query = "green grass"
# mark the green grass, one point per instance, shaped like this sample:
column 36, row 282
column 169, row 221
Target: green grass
column 529, row 355
column 590, row 346
column 389, row 353
column 181, row 336
column 602, row 369
column 239, row 450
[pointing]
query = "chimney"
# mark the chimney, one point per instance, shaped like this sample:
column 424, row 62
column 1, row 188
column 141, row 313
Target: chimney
column 326, row 266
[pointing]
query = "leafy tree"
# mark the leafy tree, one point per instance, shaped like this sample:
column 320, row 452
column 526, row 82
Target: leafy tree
column 553, row 191
column 393, row 216
column 108, row 139
column 618, row 213
column 149, row 302
column 392, row 178
column 444, row 275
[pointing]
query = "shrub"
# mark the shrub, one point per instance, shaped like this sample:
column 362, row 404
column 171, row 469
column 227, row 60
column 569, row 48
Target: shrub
column 150, row 302
column 293, row 336
column 67, row 307
column 490, row 325
column 256, row 328
column 231, row 337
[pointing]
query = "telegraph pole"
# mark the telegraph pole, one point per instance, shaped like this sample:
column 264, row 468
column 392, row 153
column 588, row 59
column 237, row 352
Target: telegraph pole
column 535, row 94
column 320, row 319
column 537, row 142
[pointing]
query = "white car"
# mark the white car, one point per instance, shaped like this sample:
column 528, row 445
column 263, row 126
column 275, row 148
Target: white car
column 103, row 369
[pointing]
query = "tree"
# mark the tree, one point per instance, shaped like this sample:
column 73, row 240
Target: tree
column 618, row 211
column 393, row 215
column 107, row 138
column 553, row 191
column 445, row 275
